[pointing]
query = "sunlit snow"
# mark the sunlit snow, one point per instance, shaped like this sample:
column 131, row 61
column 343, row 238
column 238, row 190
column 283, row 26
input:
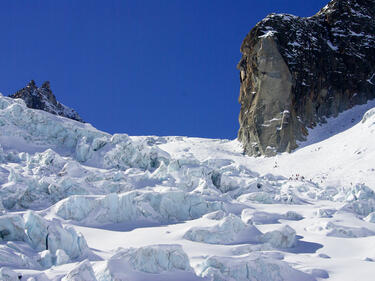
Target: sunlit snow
column 81, row 204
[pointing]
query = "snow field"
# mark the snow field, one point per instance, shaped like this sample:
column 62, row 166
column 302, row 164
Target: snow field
column 80, row 204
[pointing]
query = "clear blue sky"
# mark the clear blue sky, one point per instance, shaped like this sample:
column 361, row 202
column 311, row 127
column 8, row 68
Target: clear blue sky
column 137, row 67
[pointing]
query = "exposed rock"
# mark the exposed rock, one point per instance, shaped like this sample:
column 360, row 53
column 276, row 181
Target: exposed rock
column 42, row 98
column 296, row 71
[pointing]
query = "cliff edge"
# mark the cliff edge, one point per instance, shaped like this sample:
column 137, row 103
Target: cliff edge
column 296, row 71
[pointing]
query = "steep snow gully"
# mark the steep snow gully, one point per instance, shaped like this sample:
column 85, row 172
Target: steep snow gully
column 81, row 204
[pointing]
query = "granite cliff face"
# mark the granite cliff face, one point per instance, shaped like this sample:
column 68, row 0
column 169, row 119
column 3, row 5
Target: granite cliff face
column 295, row 72
column 42, row 98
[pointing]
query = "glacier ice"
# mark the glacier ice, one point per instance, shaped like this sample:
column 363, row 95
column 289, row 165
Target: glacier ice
column 256, row 217
column 165, row 206
column 284, row 237
column 85, row 143
column 71, row 173
column 45, row 258
column 43, row 235
column 250, row 268
column 61, row 257
column 7, row 274
column 332, row 229
column 16, row 257
column 370, row 217
column 319, row 273
column 81, row 272
column 217, row 215
column 360, row 200
column 231, row 229
column 154, row 259
column 325, row 212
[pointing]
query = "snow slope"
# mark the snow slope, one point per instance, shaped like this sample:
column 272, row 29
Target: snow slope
column 80, row 204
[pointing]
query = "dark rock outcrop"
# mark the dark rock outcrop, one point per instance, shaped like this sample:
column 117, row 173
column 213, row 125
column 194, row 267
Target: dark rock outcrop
column 296, row 71
column 42, row 98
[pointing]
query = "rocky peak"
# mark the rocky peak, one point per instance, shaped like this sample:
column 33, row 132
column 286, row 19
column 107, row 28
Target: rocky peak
column 42, row 98
column 296, row 71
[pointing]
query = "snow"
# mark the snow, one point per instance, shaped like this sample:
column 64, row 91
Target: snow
column 281, row 238
column 7, row 274
column 149, row 261
column 81, row 272
column 268, row 33
column 80, row 204
column 333, row 47
column 229, row 230
column 170, row 206
column 249, row 268
column 370, row 80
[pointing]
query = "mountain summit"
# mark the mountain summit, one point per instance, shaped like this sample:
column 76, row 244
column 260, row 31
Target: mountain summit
column 42, row 98
column 295, row 72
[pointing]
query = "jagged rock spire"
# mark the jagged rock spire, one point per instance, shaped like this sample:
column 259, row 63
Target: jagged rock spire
column 42, row 98
column 32, row 84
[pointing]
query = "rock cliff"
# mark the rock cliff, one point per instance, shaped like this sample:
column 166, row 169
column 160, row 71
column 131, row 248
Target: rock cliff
column 296, row 71
column 42, row 98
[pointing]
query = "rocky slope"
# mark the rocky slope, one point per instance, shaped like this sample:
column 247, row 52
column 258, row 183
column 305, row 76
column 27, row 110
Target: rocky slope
column 42, row 98
column 297, row 71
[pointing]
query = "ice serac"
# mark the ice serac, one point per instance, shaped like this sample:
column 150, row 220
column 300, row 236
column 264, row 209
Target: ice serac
column 149, row 263
column 296, row 71
column 250, row 267
column 83, row 271
column 42, row 98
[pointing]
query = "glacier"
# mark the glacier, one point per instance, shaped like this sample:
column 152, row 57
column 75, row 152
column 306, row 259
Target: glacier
column 80, row 204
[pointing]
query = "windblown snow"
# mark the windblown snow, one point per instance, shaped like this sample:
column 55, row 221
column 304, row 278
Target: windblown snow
column 80, row 204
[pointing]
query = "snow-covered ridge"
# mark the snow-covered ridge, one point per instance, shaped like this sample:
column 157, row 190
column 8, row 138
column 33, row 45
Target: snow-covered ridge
column 80, row 204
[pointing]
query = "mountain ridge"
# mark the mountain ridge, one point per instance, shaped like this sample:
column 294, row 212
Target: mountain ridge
column 42, row 98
